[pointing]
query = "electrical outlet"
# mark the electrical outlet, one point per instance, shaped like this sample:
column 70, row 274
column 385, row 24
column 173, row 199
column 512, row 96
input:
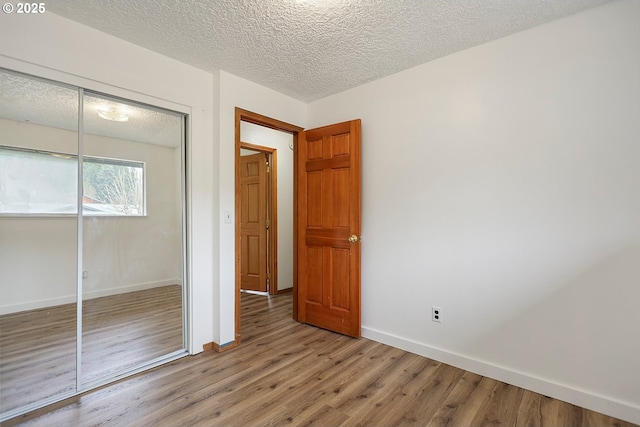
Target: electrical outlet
column 436, row 314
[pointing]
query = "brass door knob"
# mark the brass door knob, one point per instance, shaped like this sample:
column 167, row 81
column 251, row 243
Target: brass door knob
column 353, row 238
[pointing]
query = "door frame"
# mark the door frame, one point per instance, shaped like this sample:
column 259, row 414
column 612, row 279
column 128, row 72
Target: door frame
column 272, row 213
column 258, row 119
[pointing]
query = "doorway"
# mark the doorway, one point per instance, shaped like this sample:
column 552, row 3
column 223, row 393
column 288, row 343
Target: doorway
column 277, row 140
column 327, row 191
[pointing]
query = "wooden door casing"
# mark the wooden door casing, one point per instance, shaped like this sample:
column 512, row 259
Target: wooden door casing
column 329, row 212
column 253, row 230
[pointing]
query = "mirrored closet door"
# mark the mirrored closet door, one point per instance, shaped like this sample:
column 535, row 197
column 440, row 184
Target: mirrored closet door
column 92, row 240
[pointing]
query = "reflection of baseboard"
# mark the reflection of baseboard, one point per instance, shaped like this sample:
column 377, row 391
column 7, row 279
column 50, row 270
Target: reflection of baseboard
column 130, row 288
column 70, row 299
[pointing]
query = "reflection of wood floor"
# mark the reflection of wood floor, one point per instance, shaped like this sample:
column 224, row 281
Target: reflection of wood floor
column 288, row 374
column 38, row 347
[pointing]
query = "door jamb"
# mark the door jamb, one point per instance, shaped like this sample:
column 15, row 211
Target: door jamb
column 258, row 119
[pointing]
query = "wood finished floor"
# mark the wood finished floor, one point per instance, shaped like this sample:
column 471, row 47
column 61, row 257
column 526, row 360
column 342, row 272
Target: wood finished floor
column 289, row 374
column 38, row 347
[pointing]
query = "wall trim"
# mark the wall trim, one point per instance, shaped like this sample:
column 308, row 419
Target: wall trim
column 70, row 299
column 224, row 347
column 587, row 399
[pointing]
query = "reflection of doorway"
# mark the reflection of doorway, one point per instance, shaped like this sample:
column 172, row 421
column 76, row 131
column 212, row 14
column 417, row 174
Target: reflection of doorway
column 258, row 219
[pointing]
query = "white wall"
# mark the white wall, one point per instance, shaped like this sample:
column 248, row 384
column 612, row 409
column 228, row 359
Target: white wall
column 260, row 135
column 238, row 92
column 53, row 47
column 121, row 254
column 498, row 184
column 501, row 184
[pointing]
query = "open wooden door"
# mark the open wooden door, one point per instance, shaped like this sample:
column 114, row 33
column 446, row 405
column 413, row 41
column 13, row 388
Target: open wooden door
column 328, row 227
column 253, row 222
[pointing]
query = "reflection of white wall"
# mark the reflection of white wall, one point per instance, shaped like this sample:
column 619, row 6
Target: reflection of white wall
column 38, row 254
column 260, row 135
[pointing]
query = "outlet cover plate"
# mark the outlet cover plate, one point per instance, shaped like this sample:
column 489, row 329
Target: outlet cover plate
column 436, row 314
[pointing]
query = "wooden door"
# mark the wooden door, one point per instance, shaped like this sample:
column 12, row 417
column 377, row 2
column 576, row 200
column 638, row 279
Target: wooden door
column 329, row 217
column 253, row 222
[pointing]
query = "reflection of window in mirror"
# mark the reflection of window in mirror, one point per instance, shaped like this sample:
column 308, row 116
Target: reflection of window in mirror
column 111, row 187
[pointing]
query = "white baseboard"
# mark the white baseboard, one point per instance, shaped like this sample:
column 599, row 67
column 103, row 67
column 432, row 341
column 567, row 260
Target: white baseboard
column 69, row 299
column 619, row 409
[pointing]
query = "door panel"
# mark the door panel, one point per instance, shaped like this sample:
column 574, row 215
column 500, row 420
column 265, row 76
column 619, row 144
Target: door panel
column 314, row 269
column 329, row 212
column 314, row 200
column 340, row 272
column 253, row 224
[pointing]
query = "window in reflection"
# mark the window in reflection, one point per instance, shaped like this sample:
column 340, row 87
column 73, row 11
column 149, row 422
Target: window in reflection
column 42, row 182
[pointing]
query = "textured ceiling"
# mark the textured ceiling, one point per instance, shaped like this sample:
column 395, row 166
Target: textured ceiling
column 310, row 49
column 35, row 101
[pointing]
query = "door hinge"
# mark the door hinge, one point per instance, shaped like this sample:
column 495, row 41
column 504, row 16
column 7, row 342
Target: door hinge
column 268, row 223
column 268, row 276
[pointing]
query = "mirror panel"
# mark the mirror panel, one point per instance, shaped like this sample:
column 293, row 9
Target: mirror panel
column 132, row 236
column 38, row 240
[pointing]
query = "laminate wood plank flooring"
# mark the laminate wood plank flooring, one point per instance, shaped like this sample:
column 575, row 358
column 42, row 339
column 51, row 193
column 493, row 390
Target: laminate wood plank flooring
column 288, row 374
